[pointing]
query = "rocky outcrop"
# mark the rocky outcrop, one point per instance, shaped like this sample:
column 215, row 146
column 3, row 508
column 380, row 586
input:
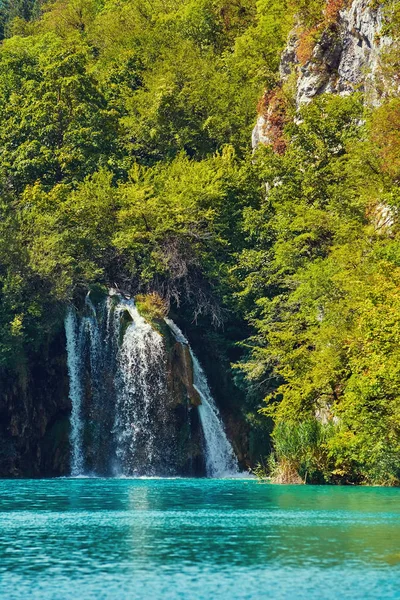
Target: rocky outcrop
column 184, row 400
column 180, row 376
column 346, row 58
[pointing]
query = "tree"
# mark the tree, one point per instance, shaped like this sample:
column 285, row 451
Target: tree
column 55, row 125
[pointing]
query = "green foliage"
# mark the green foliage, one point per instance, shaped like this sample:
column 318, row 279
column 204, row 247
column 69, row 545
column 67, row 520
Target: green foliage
column 68, row 234
column 386, row 135
column 124, row 135
column 175, row 220
column 327, row 307
column 151, row 306
column 301, row 452
column 12, row 10
column 54, row 124
column 309, row 11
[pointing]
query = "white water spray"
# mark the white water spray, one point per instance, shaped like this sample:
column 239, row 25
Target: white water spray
column 124, row 420
column 74, row 346
column 140, row 388
column 220, row 457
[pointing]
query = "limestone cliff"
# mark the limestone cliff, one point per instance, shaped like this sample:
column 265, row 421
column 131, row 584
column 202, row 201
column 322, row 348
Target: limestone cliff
column 345, row 58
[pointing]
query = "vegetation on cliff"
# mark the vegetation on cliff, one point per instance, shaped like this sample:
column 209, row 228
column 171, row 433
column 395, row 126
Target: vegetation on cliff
column 124, row 159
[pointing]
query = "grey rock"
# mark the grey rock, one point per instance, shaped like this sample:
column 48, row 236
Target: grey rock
column 346, row 58
column 289, row 57
column 319, row 75
column 259, row 135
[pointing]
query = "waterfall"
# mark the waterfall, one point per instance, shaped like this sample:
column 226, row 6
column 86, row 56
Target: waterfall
column 117, row 369
column 220, row 457
column 131, row 412
column 140, row 389
column 74, row 362
column 93, row 340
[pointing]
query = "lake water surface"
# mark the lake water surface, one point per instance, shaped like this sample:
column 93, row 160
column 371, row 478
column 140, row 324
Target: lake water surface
column 196, row 539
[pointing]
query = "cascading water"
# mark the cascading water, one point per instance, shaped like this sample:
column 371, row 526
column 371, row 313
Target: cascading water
column 75, row 390
column 132, row 410
column 140, row 393
column 118, row 385
column 81, row 333
column 220, row 457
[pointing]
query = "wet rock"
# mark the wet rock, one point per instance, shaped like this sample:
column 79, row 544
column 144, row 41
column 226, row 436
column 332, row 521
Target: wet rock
column 181, row 375
column 33, row 403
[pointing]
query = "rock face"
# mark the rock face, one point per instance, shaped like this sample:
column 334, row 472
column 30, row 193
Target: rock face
column 345, row 59
column 34, row 415
column 180, row 376
column 184, row 400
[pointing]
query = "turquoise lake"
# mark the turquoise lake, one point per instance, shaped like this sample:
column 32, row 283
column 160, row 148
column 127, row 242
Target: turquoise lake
column 196, row 539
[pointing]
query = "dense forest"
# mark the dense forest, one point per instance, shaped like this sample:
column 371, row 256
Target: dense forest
column 126, row 160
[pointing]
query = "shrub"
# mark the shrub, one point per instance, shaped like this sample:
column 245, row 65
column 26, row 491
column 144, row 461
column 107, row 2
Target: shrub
column 300, row 452
column 386, row 135
column 306, row 45
column 332, row 10
column 151, row 306
column 311, row 34
column 276, row 110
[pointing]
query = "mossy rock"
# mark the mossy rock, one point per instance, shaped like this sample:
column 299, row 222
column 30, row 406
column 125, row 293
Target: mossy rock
column 154, row 310
column 126, row 320
column 97, row 293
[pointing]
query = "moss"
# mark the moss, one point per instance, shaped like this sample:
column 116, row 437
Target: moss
column 154, row 309
column 151, row 306
column 98, row 293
